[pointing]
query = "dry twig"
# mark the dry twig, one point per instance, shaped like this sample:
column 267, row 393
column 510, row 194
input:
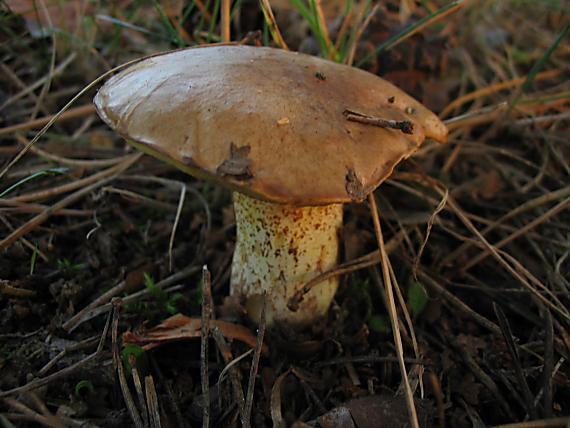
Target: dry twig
column 204, row 336
column 254, row 365
column 36, row 383
column 392, row 311
column 104, row 177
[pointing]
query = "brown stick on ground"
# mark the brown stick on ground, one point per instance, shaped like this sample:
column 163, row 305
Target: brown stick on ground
column 118, row 366
column 72, row 113
column 365, row 261
column 110, row 175
column 38, row 382
column 391, row 305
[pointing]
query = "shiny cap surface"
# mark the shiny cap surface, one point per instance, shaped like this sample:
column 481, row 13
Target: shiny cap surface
column 276, row 125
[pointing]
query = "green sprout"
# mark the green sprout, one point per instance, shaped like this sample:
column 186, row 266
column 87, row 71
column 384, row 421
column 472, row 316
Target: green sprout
column 84, row 387
column 417, row 298
column 135, row 353
column 67, row 266
column 161, row 300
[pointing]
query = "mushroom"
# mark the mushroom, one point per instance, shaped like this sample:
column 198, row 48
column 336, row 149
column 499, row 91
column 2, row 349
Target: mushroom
column 293, row 136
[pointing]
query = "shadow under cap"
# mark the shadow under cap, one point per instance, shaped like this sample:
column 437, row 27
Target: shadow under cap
column 277, row 125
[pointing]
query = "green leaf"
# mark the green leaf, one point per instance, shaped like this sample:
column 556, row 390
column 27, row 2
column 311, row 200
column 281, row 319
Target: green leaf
column 379, row 323
column 170, row 305
column 417, row 297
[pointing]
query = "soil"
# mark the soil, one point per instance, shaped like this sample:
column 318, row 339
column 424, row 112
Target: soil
column 477, row 232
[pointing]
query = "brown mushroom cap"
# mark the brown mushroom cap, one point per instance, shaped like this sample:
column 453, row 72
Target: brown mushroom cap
column 267, row 122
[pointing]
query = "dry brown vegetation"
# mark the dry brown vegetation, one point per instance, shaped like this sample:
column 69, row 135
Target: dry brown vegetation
column 477, row 231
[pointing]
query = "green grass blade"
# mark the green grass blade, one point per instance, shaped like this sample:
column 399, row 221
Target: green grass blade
column 123, row 24
column 352, row 38
column 50, row 171
column 269, row 20
column 174, row 36
column 235, row 9
column 326, row 48
column 187, row 11
column 305, row 12
column 407, row 32
column 539, row 65
column 343, row 43
column 200, row 26
column 311, row 16
column 213, row 21
column 265, row 34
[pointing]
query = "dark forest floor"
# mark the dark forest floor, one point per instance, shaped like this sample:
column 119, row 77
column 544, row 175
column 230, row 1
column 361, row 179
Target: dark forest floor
column 489, row 295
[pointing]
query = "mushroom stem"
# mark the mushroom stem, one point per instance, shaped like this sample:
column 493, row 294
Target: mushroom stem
column 279, row 248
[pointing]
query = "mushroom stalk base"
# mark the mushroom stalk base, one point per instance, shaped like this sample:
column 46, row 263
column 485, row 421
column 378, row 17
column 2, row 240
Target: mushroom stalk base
column 279, row 248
